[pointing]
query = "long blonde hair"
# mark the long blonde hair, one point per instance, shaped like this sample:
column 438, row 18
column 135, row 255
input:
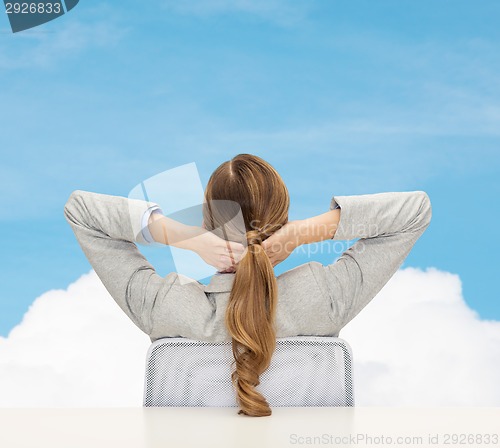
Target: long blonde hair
column 261, row 194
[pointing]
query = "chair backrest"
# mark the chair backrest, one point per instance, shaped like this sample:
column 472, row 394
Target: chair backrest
column 304, row 371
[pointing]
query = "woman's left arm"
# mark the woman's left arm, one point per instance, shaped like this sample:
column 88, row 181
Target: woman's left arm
column 107, row 228
column 213, row 250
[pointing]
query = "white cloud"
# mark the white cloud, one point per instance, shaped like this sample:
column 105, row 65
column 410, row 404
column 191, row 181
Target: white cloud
column 43, row 46
column 419, row 344
column 281, row 12
column 74, row 347
column 416, row 343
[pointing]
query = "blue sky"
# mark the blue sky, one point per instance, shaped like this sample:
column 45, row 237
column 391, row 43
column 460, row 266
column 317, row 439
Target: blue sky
column 341, row 97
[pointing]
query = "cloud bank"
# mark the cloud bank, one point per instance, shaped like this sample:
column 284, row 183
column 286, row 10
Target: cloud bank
column 417, row 344
column 74, row 347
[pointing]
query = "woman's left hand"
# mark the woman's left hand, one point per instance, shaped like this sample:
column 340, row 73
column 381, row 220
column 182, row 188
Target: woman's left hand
column 214, row 250
column 217, row 252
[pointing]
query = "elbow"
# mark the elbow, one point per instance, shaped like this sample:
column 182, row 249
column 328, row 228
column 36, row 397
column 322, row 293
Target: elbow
column 71, row 206
column 424, row 210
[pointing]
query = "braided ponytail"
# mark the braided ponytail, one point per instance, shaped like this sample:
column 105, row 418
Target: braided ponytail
column 250, row 315
column 250, row 320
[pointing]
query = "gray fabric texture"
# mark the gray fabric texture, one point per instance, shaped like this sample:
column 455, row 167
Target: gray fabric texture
column 313, row 299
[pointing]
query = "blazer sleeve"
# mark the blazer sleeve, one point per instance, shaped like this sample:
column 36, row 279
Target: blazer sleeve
column 107, row 228
column 387, row 225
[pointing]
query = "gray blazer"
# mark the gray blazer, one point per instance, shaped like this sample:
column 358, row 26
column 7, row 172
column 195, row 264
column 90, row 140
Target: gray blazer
column 313, row 299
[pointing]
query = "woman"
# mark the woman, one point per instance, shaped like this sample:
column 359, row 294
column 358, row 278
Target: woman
column 245, row 302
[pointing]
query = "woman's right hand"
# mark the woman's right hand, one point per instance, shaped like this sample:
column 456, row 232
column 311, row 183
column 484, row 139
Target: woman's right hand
column 305, row 231
column 283, row 242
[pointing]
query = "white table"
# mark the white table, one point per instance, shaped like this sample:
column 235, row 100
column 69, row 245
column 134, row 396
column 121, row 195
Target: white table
column 222, row 427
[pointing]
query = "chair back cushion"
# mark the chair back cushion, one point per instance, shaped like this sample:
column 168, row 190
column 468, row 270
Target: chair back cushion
column 304, row 371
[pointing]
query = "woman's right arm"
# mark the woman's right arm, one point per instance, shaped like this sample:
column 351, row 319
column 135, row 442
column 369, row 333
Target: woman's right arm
column 388, row 225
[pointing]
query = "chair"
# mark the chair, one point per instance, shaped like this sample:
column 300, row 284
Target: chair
column 304, row 371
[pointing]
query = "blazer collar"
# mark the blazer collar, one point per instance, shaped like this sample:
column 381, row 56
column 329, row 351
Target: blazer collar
column 220, row 283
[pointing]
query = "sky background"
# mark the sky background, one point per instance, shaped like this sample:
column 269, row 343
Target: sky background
column 341, row 97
